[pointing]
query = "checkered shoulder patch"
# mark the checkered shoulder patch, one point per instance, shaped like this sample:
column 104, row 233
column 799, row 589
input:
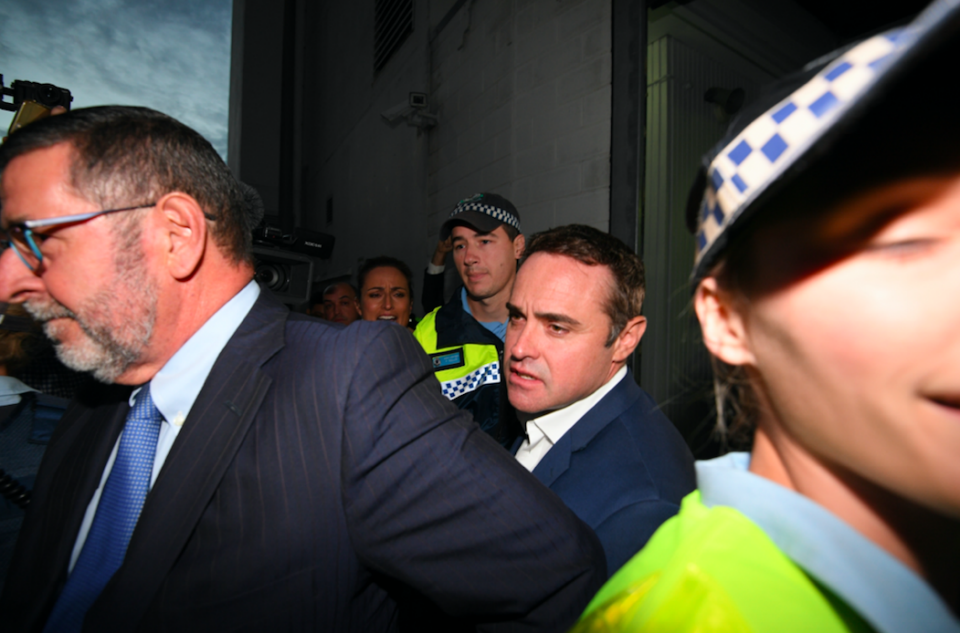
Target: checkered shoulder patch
column 488, row 374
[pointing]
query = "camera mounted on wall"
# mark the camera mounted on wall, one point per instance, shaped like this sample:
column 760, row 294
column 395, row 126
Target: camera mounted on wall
column 414, row 111
column 31, row 101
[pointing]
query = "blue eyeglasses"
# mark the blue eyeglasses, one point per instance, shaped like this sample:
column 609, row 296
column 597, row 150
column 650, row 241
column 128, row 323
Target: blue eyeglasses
column 26, row 242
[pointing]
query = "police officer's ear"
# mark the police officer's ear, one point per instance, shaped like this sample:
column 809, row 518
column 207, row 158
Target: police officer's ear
column 724, row 331
column 519, row 243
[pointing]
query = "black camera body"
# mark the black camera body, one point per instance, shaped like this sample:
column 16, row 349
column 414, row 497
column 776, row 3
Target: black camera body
column 285, row 261
column 300, row 240
column 289, row 276
column 47, row 95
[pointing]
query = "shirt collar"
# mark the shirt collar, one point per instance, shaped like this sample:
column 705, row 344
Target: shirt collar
column 555, row 424
column 10, row 390
column 879, row 587
column 498, row 328
column 176, row 386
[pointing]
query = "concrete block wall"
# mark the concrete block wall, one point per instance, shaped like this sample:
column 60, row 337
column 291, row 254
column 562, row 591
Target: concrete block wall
column 522, row 90
column 522, row 93
column 371, row 173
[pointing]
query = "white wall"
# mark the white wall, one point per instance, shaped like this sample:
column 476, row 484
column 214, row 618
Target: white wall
column 522, row 94
column 522, row 89
column 374, row 173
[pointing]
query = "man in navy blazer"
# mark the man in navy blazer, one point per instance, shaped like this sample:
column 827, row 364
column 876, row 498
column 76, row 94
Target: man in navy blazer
column 592, row 435
column 306, row 476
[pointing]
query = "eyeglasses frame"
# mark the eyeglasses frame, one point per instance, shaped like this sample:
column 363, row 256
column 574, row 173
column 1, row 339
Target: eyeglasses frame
column 27, row 227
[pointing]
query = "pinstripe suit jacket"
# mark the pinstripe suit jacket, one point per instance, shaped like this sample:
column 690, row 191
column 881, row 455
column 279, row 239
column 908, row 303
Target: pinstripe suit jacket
column 320, row 475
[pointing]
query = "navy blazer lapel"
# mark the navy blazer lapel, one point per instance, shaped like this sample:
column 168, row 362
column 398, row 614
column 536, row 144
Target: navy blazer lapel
column 214, row 430
column 557, row 460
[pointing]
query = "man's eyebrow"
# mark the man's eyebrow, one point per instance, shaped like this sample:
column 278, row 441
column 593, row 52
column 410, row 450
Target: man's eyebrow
column 512, row 309
column 553, row 317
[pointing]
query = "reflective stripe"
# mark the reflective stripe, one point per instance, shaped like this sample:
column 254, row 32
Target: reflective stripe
column 488, row 374
column 480, row 365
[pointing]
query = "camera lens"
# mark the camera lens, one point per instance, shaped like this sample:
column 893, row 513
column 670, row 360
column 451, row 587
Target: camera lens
column 49, row 95
column 274, row 276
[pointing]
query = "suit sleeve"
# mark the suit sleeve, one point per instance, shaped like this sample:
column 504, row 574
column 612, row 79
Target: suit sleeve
column 435, row 503
column 626, row 531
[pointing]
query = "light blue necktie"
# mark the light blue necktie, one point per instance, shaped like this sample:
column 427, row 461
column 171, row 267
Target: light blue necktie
column 116, row 516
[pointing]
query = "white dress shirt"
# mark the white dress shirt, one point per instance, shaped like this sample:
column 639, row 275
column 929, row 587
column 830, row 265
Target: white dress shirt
column 11, row 390
column 545, row 431
column 175, row 388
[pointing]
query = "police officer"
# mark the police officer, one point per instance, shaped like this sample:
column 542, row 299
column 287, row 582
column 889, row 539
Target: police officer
column 465, row 337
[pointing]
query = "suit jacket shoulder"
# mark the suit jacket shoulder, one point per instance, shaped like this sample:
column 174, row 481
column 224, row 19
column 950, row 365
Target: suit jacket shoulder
column 623, row 469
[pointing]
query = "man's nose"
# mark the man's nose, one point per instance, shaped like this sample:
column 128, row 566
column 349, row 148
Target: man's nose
column 17, row 282
column 520, row 342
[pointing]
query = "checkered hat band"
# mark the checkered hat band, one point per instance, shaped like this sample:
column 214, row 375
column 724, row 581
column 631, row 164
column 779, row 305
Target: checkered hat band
column 494, row 212
column 774, row 141
column 488, row 374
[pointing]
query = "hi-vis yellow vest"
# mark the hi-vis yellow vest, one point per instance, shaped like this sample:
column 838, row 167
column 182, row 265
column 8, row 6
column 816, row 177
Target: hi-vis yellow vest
column 461, row 369
column 712, row 570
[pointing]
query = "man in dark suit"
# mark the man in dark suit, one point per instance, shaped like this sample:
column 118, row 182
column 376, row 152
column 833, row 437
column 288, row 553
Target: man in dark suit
column 592, row 435
column 227, row 475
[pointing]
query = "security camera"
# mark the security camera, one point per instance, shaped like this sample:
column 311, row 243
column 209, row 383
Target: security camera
column 421, row 119
column 397, row 112
column 418, row 100
column 413, row 110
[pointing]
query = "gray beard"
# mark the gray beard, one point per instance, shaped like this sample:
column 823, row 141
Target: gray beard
column 117, row 324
